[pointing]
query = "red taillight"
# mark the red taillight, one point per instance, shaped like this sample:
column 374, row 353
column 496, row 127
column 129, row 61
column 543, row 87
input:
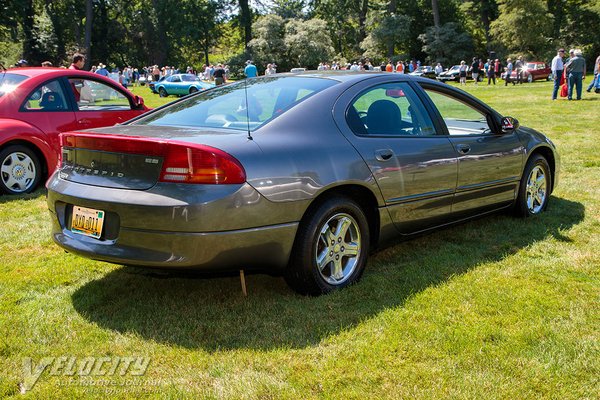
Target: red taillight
column 186, row 163
column 182, row 162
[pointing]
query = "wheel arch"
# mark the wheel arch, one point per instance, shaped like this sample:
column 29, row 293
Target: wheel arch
column 548, row 154
column 364, row 197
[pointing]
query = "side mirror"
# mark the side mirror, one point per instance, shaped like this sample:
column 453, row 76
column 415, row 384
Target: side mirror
column 509, row 124
column 139, row 102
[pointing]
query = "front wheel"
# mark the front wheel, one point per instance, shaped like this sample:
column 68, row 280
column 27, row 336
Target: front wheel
column 193, row 89
column 331, row 248
column 162, row 92
column 534, row 189
column 20, row 170
column 530, row 78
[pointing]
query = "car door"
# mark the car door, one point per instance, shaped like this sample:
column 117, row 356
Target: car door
column 176, row 86
column 413, row 164
column 98, row 103
column 49, row 109
column 489, row 162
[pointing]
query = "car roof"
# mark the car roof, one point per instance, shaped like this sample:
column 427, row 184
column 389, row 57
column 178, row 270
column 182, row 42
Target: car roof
column 344, row 75
column 33, row 72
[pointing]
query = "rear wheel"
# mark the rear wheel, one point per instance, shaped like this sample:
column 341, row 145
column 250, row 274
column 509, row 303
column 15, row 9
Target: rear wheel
column 162, row 92
column 534, row 189
column 331, row 248
column 20, row 170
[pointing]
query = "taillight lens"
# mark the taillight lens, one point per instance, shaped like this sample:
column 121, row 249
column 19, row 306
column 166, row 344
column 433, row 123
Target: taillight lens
column 182, row 162
column 185, row 163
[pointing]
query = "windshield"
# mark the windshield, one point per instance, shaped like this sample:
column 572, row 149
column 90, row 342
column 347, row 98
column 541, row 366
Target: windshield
column 9, row 81
column 243, row 105
column 189, row 78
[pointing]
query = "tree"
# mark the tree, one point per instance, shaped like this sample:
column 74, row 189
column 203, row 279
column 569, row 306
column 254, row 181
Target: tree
column 448, row 45
column 523, row 26
column 305, row 43
column 387, row 36
column 269, row 44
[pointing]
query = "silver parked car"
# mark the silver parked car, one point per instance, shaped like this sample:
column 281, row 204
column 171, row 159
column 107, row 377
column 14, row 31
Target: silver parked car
column 301, row 174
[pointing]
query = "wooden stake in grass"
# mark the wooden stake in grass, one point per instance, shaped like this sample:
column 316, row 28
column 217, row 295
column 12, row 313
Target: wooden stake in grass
column 243, row 282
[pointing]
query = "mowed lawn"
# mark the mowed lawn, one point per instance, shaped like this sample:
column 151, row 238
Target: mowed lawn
column 497, row 308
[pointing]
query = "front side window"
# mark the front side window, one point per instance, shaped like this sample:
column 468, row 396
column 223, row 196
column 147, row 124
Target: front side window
column 459, row 117
column 244, row 105
column 96, row 96
column 391, row 109
column 48, row 97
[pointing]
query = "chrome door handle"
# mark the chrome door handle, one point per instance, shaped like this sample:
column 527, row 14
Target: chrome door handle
column 384, row 154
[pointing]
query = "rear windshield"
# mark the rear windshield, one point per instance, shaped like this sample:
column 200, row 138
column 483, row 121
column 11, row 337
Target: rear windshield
column 243, row 105
column 9, row 81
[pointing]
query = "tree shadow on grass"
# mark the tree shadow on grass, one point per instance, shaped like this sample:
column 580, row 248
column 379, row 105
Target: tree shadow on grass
column 212, row 314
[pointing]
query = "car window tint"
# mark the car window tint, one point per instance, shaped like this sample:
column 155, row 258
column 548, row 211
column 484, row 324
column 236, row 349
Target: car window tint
column 48, row 97
column 391, row 109
column 96, row 96
column 243, row 105
column 460, row 118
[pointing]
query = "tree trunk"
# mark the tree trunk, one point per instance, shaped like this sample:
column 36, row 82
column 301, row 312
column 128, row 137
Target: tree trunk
column 436, row 15
column 246, row 21
column 29, row 45
column 89, row 19
column 362, row 18
column 392, row 6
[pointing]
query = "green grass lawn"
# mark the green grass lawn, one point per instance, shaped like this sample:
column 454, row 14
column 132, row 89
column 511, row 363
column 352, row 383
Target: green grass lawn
column 497, row 308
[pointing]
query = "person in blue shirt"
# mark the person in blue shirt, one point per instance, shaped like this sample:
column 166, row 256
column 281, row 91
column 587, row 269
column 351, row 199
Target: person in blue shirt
column 250, row 70
column 102, row 70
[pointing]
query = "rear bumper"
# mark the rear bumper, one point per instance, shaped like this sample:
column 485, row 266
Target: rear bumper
column 265, row 248
column 217, row 228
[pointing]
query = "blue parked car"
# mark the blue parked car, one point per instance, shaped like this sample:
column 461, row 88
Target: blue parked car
column 180, row 85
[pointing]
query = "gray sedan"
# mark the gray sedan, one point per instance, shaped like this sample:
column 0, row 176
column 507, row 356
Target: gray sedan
column 298, row 174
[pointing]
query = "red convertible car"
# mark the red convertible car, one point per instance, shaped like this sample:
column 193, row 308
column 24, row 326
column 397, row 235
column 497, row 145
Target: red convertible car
column 36, row 104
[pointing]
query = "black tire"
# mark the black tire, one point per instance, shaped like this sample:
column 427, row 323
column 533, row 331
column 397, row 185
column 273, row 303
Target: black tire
column 529, row 78
column 193, row 89
column 535, row 187
column 20, row 170
column 340, row 267
column 162, row 92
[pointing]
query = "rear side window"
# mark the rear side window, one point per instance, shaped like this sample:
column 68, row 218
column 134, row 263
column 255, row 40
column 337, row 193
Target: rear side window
column 391, row 109
column 48, row 97
column 244, row 105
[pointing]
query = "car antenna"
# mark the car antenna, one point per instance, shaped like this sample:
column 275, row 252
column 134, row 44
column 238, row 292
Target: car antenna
column 247, row 107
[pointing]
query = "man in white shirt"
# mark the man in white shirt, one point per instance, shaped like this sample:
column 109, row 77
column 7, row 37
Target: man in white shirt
column 557, row 71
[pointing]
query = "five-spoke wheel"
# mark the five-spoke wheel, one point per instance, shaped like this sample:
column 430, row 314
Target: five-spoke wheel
column 534, row 188
column 331, row 247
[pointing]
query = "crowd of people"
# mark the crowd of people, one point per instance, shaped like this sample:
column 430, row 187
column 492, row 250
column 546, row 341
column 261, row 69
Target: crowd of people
column 567, row 74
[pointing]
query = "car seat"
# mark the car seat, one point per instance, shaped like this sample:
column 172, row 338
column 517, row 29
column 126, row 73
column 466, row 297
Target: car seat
column 384, row 118
column 51, row 101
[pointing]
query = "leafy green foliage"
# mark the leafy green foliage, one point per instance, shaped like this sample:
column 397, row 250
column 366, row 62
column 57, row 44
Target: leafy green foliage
column 447, row 44
column 306, row 43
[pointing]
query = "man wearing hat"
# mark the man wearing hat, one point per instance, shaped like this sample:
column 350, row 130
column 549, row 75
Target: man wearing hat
column 102, row 70
column 250, row 70
column 21, row 63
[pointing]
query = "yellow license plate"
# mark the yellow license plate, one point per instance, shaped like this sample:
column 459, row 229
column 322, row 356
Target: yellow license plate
column 87, row 221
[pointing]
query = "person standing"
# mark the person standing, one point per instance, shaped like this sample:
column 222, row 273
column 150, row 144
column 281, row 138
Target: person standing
column 557, row 71
column 475, row 70
column 596, row 77
column 219, row 75
column 438, row 69
column 509, row 69
column 102, row 70
column 78, row 62
column 519, row 69
column 462, row 73
column 250, row 70
column 575, row 73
